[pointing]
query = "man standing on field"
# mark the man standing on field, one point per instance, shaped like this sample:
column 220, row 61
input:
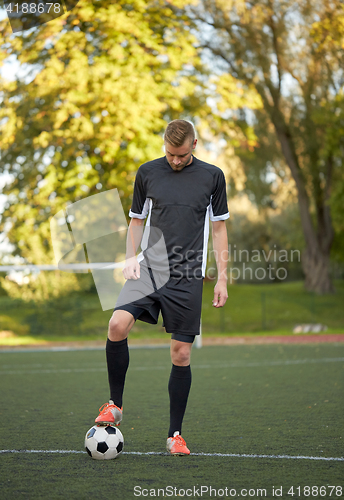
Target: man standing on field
column 177, row 194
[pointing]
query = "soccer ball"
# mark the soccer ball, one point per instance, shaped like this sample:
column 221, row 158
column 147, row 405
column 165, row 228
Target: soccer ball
column 104, row 442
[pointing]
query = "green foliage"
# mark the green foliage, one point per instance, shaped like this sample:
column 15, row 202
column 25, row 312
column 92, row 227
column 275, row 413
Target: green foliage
column 330, row 117
column 42, row 286
column 273, row 234
column 104, row 79
column 289, row 57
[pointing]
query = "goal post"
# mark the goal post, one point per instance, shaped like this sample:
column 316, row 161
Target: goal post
column 198, row 339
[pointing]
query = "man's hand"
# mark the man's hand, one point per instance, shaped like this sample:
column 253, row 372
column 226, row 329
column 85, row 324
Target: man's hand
column 220, row 293
column 131, row 270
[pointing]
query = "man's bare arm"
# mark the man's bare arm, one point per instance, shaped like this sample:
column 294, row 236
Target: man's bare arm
column 220, row 246
column 131, row 269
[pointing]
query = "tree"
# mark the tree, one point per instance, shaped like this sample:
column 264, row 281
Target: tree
column 291, row 53
column 101, row 82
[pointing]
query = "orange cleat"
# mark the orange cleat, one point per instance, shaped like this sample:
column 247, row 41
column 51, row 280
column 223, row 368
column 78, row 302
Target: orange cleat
column 109, row 414
column 176, row 445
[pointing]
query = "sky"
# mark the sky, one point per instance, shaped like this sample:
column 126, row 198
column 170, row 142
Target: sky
column 10, row 68
column 3, row 14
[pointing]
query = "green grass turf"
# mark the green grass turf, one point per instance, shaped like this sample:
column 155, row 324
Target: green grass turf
column 244, row 400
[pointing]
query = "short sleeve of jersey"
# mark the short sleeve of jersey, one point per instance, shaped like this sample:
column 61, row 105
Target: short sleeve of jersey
column 219, row 207
column 140, row 206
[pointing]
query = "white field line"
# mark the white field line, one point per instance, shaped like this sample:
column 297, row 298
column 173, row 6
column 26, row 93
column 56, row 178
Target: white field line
column 222, row 455
column 167, row 367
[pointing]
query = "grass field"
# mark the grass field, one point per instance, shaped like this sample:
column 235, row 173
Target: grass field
column 263, row 401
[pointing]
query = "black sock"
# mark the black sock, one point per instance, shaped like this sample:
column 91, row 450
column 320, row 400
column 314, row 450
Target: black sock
column 117, row 357
column 178, row 389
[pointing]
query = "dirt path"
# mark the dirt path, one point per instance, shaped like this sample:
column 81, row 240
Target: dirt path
column 281, row 339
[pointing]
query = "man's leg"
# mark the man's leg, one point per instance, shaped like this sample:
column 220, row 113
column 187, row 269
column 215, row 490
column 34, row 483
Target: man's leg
column 117, row 353
column 117, row 357
column 179, row 384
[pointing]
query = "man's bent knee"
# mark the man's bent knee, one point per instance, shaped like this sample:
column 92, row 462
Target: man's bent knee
column 120, row 325
column 180, row 352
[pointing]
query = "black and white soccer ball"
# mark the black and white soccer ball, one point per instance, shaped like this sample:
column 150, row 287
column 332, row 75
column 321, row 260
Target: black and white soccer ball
column 104, row 442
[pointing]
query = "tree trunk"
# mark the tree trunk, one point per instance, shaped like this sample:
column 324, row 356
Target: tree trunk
column 316, row 266
column 316, row 257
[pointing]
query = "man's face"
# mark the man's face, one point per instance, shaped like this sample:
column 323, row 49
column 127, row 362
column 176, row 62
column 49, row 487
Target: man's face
column 180, row 157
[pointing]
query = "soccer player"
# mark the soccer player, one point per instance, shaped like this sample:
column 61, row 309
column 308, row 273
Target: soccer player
column 177, row 194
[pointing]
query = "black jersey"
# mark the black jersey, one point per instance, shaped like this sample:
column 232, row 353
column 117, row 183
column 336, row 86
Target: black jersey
column 179, row 204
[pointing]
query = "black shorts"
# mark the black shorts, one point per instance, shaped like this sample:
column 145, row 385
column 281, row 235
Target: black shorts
column 179, row 300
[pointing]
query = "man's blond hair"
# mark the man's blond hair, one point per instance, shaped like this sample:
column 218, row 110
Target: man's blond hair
column 178, row 131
